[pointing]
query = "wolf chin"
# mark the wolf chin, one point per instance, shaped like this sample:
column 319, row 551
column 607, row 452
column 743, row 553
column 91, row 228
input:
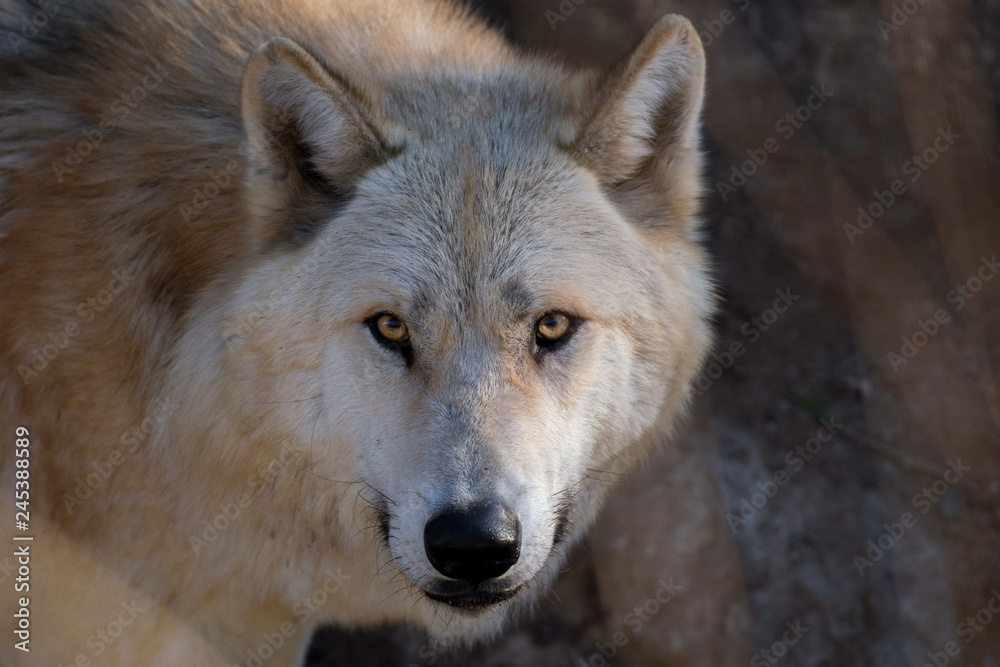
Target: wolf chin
column 327, row 313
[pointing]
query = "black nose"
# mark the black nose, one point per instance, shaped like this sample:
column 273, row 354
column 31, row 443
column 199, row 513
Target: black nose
column 474, row 543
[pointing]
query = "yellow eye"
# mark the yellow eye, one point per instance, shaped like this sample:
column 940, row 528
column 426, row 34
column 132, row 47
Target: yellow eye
column 552, row 328
column 391, row 328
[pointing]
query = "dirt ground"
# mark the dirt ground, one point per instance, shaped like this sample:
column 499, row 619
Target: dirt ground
column 812, row 515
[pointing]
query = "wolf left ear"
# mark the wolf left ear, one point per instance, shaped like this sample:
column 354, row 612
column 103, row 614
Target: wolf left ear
column 309, row 138
column 643, row 120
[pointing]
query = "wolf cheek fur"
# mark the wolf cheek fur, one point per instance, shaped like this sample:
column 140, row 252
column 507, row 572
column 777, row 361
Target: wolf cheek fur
column 454, row 281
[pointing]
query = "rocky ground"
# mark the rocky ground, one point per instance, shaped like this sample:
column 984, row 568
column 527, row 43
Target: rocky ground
column 791, row 563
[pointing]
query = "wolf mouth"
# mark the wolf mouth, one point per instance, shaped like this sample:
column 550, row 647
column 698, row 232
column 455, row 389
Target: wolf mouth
column 474, row 600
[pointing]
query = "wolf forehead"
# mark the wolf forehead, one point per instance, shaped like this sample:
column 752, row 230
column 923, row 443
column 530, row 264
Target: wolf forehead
column 477, row 159
column 510, row 107
column 520, row 231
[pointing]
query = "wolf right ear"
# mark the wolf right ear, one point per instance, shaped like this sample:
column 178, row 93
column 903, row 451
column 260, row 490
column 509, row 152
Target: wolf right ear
column 309, row 138
column 640, row 128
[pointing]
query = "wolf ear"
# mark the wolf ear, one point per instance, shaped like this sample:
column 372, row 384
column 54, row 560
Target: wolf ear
column 309, row 139
column 645, row 114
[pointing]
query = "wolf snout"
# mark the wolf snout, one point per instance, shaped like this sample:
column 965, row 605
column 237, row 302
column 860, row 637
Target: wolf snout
column 473, row 543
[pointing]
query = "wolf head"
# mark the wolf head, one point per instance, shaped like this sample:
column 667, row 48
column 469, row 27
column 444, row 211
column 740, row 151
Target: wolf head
column 479, row 292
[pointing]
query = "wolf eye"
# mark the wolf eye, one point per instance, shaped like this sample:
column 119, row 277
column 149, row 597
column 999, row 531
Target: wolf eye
column 553, row 329
column 391, row 328
column 392, row 333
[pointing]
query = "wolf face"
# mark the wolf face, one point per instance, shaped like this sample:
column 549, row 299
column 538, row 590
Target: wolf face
column 496, row 298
